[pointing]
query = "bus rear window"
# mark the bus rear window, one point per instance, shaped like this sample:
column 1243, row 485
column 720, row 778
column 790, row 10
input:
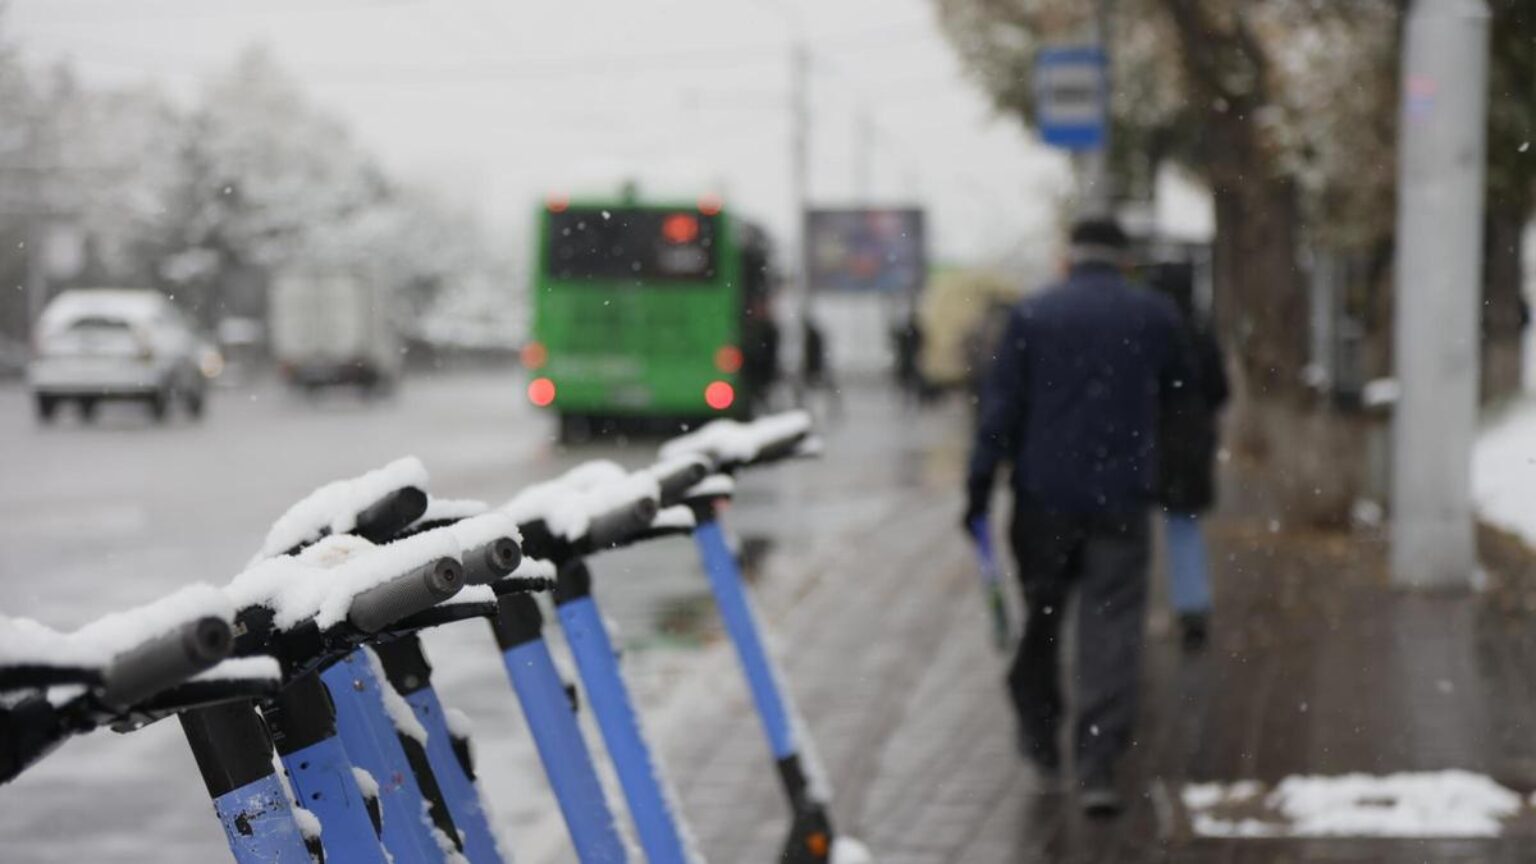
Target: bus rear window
column 662, row 245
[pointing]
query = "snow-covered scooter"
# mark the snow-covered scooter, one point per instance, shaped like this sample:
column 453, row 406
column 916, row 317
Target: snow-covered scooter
column 730, row 447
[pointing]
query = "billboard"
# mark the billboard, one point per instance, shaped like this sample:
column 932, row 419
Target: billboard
column 865, row 250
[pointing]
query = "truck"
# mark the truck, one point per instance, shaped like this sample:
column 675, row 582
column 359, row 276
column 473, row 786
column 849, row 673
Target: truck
column 332, row 329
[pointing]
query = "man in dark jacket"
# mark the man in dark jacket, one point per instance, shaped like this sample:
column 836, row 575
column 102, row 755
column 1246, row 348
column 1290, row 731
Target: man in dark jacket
column 1072, row 403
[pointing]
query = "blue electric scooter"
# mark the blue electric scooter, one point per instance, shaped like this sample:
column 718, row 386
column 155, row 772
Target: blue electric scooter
column 604, row 520
column 409, row 751
column 730, row 448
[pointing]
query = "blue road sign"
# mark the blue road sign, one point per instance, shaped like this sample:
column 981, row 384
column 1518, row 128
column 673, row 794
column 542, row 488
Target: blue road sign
column 1071, row 97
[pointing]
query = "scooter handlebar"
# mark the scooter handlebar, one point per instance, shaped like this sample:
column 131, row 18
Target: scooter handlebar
column 419, row 589
column 380, row 521
column 485, row 564
column 165, row 661
column 620, row 523
column 676, row 477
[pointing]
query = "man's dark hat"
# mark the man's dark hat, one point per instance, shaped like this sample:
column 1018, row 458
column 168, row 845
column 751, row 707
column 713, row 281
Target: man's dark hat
column 1099, row 232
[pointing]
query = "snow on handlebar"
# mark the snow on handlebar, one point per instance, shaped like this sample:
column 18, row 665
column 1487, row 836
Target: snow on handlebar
column 165, row 661
column 593, row 506
column 490, row 546
column 342, row 506
column 730, row 444
column 420, row 589
column 299, row 589
column 32, row 651
column 619, row 523
column 677, row 475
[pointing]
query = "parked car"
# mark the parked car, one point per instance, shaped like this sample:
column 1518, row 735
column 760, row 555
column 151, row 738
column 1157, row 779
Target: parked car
column 112, row 343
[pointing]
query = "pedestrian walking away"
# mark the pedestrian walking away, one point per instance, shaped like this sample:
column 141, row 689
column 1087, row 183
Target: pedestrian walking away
column 1188, row 437
column 1072, row 404
column 816, row 369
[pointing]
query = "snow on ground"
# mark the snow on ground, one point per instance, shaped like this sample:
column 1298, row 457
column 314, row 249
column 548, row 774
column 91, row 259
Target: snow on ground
column 1504, row 472
column 1424, row 804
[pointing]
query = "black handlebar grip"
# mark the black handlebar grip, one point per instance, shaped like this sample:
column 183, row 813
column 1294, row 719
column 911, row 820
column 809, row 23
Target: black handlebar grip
column 165, row 661
column 380, row 521
column 684, row 476
column 485, row 564
column 420, row 589
column 621, row 523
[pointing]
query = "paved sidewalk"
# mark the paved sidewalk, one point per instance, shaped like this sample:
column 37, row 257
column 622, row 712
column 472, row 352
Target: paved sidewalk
column 1315, row 667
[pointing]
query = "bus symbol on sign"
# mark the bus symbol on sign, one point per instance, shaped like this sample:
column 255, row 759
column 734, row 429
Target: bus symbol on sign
column 1071, row 96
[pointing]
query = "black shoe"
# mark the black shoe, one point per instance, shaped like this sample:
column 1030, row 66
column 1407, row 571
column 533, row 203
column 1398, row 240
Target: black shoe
column 1195, row 629
column 1098, row 796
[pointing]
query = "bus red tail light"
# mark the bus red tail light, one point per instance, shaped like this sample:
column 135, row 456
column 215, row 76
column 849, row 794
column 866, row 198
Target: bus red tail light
column 557, row 203
column 710, row 205
column 719, row 395
column 728, row 359
column 541, row 392
column 535, row 355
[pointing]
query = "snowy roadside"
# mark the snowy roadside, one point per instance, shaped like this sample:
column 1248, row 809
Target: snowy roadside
column 1504, row 472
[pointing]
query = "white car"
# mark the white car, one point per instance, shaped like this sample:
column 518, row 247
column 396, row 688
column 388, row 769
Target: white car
column 95, row 344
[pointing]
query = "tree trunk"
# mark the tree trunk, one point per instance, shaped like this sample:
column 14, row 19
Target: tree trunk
column 1504, row 310
column 1261, row 306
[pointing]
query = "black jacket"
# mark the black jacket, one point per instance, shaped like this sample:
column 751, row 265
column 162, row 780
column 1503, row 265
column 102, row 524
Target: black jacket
column 1074, row 395
column 1187, row 433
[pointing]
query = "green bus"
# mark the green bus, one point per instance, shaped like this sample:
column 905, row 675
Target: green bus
column 646, row 312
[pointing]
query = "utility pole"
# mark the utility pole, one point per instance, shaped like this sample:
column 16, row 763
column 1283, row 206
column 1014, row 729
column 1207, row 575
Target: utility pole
column 1096, row 192
column 800, row 144
column 36, row 212
column 800, row 156
column 1438, row 266
column 863, row 156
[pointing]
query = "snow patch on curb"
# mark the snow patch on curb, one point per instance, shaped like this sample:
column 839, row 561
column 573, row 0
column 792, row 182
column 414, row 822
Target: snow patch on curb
column 1424, row 804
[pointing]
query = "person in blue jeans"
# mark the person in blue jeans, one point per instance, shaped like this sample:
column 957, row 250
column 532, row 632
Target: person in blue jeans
column 1187, row 441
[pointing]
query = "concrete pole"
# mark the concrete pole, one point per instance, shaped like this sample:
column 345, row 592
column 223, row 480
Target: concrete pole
column 863, row 156
column 36, row 210
column 1096, row 195
column 1438, row 266
column 800, row 72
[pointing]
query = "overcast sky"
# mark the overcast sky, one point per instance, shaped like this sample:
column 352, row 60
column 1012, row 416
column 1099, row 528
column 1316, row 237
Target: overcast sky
column 499, row 102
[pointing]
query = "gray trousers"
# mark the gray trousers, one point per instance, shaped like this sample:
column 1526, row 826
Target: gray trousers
column 1104, row 560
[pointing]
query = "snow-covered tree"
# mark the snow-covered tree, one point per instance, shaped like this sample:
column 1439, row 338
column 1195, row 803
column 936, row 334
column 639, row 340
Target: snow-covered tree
column 1270, row 103
column 1288, row 110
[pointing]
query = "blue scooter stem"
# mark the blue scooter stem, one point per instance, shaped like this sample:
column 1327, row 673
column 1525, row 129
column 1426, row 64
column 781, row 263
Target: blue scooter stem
column 405, row 665
column 302, row 722
column 461, row 793
column 656, row 823
column 811, row 833
column 741, row 626
column 370, row 740
column 260, row 826
column 234, row 756
column 322, row 779
column 552, row 722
